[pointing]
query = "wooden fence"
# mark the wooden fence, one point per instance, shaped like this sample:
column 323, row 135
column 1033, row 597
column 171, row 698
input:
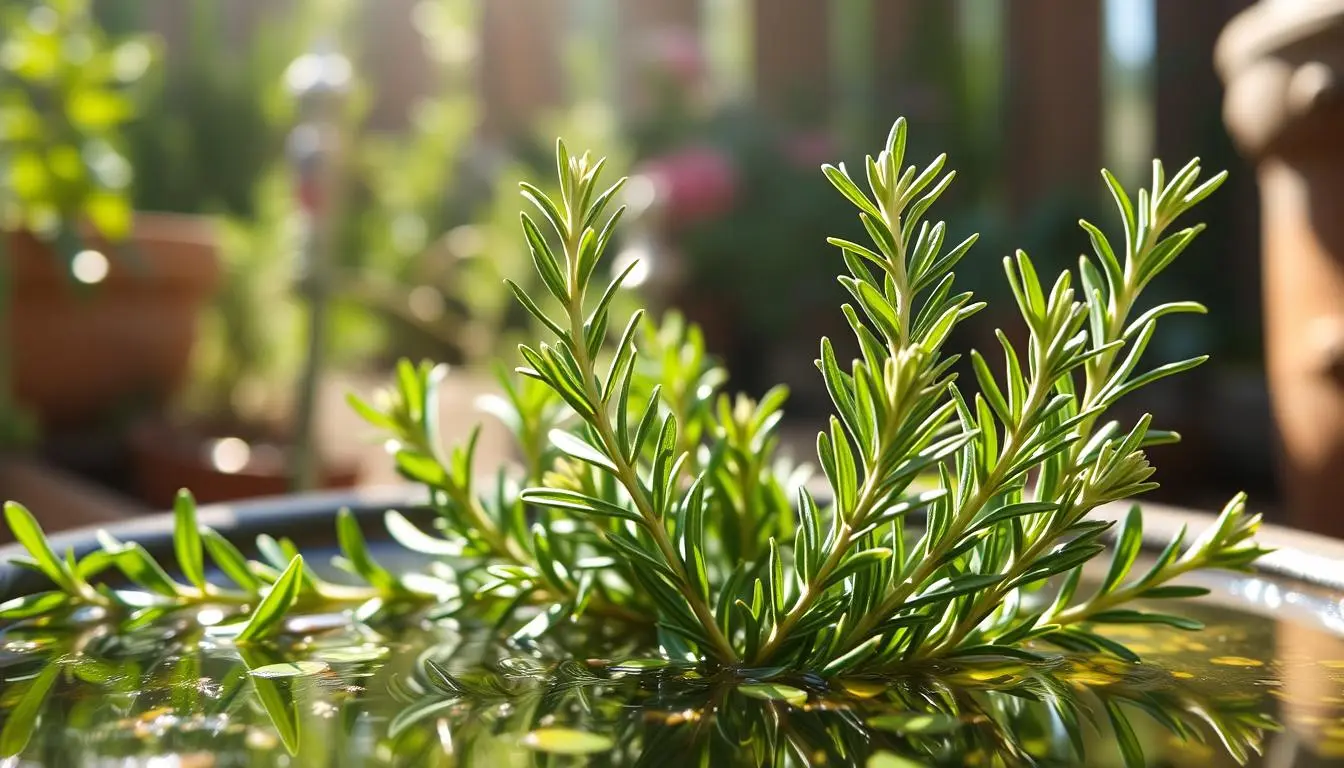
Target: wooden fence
column 879, row 57
column 1043, row 133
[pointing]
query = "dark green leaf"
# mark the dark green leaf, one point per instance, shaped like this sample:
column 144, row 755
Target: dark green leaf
column 951, row 588
column 270, row 612
column 1173, row 591
column 566, row 741
column 916, row 723
column 230, row 560
column 21, row 721
column 187, row 540
column 1126, row 616
column 775, row 692
column 28, row 533
column 1131, row 749
column 1126, row 550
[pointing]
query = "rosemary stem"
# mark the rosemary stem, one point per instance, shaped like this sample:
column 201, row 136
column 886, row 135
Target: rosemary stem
column 805, row 600
column 1084, row 611
column 933, row 560
column 1097, row 373
column 495, row 538
column 867, row 500
column 868, row 495
column 625, row 471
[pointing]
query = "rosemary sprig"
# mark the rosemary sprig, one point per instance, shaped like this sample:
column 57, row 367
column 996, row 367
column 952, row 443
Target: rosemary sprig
column 655, row 497
column 524, row 564
column 569, row 368
column 262, row 592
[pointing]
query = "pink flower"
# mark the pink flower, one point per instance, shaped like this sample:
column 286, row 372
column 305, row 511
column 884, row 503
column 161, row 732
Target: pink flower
column 693, row 184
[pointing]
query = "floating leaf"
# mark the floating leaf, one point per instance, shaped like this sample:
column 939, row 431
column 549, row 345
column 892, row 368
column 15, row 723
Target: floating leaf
column 566, row 741
column 354, row 654
column 291, row 669
column 916, row 723
column 639, row 665
column 893, row 760
column 775, row 692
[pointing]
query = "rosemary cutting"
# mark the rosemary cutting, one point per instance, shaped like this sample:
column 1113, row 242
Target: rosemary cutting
column 955, row 523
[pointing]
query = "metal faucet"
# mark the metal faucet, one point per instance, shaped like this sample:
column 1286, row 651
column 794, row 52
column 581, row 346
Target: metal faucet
column 319, row 81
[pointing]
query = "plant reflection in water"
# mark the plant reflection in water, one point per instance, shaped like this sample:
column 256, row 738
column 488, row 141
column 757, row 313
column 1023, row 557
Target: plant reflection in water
column 347, row 695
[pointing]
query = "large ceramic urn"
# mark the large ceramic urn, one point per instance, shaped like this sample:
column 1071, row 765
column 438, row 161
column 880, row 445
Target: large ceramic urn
column 1283, row 63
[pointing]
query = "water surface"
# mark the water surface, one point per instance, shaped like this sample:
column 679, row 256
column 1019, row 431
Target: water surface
column 422, row 694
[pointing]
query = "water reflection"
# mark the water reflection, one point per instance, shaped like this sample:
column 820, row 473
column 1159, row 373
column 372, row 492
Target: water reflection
column 164, row 693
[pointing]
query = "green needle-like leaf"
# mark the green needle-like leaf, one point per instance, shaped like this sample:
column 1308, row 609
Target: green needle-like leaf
column 28, row 533
column 21, row 722
column 269, row 614
column 187, row 540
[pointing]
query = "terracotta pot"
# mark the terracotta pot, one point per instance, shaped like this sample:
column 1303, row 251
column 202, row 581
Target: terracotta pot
column 1284, row 67
column 81, row 351
column 219, row 464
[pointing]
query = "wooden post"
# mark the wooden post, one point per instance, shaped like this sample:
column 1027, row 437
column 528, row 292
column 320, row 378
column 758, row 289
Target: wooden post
column 1054, row 98
column 1222, row 266
column 521, row 72
column 647, row 23
column 394, row 62
column 1189, row 124
column 638, row 18
column 792, row 58
column 916, row 60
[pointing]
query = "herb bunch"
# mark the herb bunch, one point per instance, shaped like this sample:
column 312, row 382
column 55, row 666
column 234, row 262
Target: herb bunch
column 954, row 522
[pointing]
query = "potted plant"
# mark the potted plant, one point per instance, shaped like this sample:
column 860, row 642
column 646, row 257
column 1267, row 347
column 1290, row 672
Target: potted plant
column 101, row 302
column 654, row 587
column 210, row 134
column 227, row 435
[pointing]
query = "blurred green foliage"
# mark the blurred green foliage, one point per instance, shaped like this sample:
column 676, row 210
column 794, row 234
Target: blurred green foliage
column 424, row 233
column 212, row 122
column 65, row 96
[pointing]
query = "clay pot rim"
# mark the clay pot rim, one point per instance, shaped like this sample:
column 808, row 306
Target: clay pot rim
column 182, row 252
column 1269, row 26
column 159, row 226
column 188, row 228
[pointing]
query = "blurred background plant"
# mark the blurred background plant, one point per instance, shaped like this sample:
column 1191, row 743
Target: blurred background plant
column 65, row 97
column 207, row 140
column 66, row 91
